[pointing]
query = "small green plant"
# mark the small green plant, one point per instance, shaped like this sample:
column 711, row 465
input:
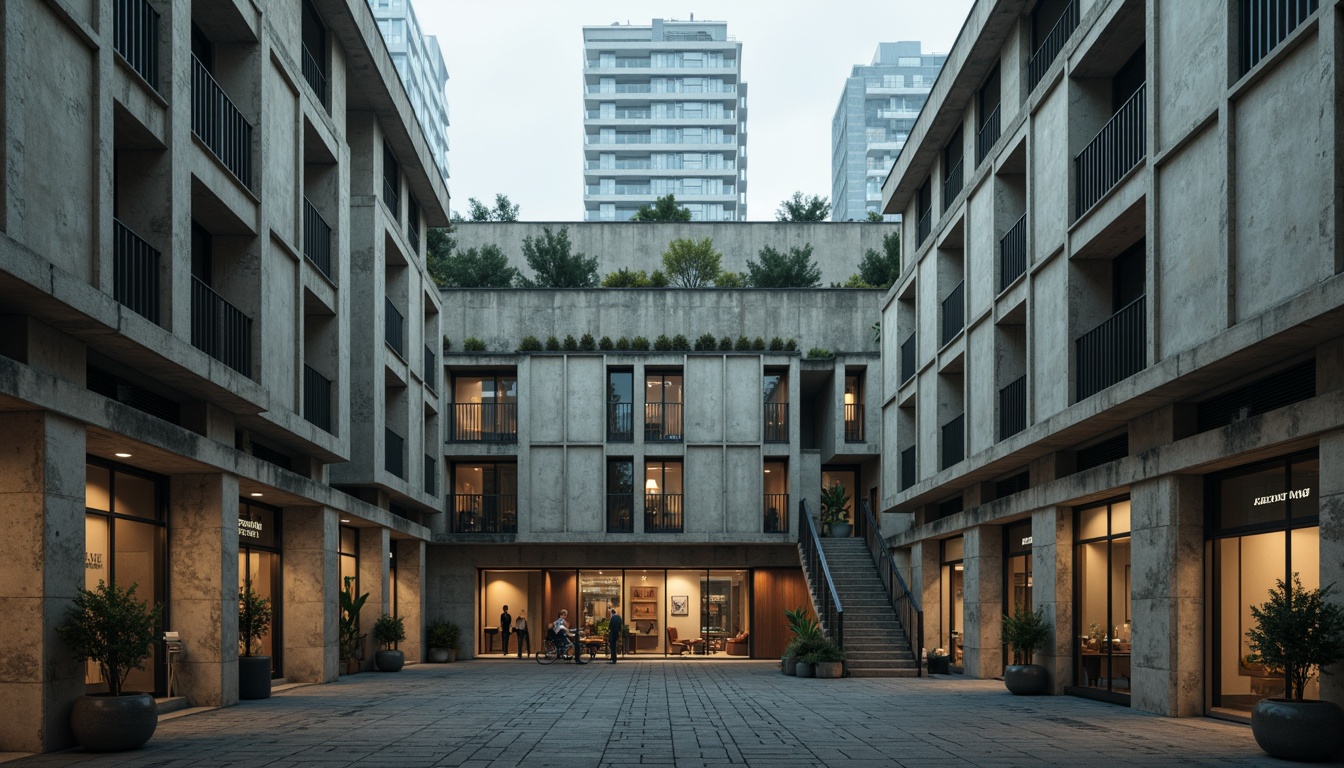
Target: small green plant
column 834, row 504
column 1025, row 632
column 657, row 279
column 705, row 343
column 552, row 344
column 776, row 344
column 529, row 344
column 254, row 620
column 351, row 639
column 1299, row 632
column 605, row 343
column 790, row 346
column 662, row 343
column 447, row 344
column 681, row 343
column 586, row 343
column 743, row 344
column 639, row 344
column 802, row 625
column 725, row 344
column 570, row 344
column 827, row 652
column 442, row 634
column 622, row 344
column 112, row 629
column 819, row 353
column 473, row 344
column 758, row 344
column 389, row 630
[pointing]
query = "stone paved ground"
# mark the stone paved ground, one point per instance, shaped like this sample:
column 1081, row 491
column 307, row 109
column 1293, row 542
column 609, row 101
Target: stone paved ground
column 679, row 713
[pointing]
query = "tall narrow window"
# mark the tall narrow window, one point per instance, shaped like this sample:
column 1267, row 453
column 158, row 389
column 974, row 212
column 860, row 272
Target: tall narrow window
column 662, row 406
column 391, row 181
column 620, row 405
column 776, row 392
column 662, row 497
column 1103, row 617
column 485, row 498
column 620, row 496
column 953, row 604
column 854, row 408
column 485, row 408
column 775, row 506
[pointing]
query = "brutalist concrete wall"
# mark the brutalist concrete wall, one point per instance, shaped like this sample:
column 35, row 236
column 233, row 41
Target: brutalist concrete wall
column 837, row 247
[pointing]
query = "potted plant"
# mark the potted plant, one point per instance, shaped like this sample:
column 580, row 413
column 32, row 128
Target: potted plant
column 807, row 637
column 389, row 630
column 788, row 662
column 1297, row 633
column 835, row 511
column 254, row 622
column 940, row 662
column 352, row 642
column 442, row 638
column 1026, row 632
column 828, row 660
column 115, row 631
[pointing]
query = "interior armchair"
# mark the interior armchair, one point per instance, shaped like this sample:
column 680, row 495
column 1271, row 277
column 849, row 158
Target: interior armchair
column 678, row 646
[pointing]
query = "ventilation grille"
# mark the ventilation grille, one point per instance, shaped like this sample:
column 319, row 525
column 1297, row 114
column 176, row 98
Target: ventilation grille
column 1015, row 484
column 1286, row 387
column 116, row 388
column 1104, row 452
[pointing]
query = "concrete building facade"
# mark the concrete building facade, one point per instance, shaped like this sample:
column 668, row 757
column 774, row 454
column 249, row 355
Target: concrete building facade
column 664, row 113
column 1113, row 366
column 878, row 106
column 424, row 75
column 205, row 208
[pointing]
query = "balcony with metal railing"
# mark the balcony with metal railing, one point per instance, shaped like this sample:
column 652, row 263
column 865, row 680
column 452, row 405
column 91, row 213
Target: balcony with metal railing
column 316, row 398
column 1013, row 253
column 135, row 272
column 1117, row 147
column 317, row 240
column 1263, row 24
column 953, row 182
column 483, row 423
column 620, row 513
column 908, row 467
column 776, row 423
column 431, row 369
column 220, row 329
column 954, row 442
column 987, row 136
column 394, row 331
column 853, row 422
column 431, row 475
column 662, row 422
column 136, row 37
column 315, row 76
column 1050, row 47
column 219, row 125
column 923, row 227
column 908, row 367
column 775, row 512
column 485, row 513
column 663, row 513
column 1013, row 408
column 954, row 312
column 394, row 453
column 1113, row 351
column 620, row 422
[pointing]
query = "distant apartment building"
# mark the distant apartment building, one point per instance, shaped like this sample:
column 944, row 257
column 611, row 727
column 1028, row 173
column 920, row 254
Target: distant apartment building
column 419, row 61
column 877, row 108
column 664, row 112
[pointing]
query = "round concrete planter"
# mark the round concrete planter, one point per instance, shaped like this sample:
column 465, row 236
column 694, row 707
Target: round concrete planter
column 254, row 677
column 829, row 670
column 389, row 661
column 438, row 655
column 841, row 530
column 791, row 666
column 1306, row 731
column 806, row 670
column 114, row 723
column 1027, row 679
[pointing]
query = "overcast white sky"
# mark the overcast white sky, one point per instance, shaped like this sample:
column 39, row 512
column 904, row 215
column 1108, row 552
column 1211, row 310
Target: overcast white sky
column 515, row 87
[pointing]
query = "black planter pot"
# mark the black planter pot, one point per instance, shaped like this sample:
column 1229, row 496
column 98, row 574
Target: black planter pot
column 254, row 677
column 1027, row 679
column 114, row 723
column 438, row 655
column 1306, row 731
column 940, row 665
column 389, row 661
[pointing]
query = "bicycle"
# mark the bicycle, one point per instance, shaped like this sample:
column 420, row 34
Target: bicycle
column 573, row 650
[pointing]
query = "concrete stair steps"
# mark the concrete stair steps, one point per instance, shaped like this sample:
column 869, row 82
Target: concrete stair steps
column 876, row 643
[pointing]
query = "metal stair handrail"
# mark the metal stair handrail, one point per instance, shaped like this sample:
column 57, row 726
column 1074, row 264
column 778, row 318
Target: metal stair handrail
column 902, row 601
column 827, row 600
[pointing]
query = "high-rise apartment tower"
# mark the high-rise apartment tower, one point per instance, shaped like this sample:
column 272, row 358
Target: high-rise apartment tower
column 420, row 63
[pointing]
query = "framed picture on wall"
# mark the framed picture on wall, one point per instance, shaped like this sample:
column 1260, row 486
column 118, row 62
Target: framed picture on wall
column 647, row 610
column 643, row 593
column 681, row 605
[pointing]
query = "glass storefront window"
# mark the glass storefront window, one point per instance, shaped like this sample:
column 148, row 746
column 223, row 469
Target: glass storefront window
column 952, row 603
column 349, row 557
column 1016, row 572
column 648, row 601
column 259, row 570
column 1103, row 616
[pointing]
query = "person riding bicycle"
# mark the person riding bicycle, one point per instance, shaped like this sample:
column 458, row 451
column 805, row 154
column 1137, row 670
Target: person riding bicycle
column 560, row 628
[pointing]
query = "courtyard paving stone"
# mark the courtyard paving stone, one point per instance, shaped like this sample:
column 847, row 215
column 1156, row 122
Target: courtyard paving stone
column 678, row 713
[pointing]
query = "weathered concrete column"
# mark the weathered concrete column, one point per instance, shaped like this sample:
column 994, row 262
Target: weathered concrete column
column 1167, row 595
column 373, row 549
column 1332, row 542
column 41, row 569
column 311, row 578
column 983, row 596
column 1052, row 590
column 925, row 575
column 411, row 595
column 203, row 585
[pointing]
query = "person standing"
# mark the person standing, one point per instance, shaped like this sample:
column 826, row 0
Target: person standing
column 505, row 625
column 520, row 629
column 614, row 626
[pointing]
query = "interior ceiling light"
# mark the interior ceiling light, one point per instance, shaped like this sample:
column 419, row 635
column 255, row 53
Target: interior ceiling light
column 345, row 519
column 122, row 455
column 256, row 493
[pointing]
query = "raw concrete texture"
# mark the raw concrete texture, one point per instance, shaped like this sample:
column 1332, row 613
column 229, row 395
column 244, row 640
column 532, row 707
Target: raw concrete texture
column 310, row 568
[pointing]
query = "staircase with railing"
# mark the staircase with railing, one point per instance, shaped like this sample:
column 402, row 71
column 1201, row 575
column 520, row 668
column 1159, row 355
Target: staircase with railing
column 825, row 600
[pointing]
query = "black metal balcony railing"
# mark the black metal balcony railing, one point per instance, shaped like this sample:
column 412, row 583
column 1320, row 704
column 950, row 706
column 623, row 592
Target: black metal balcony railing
column 483, row 423
column 1117, row 147
column 908, row 467
column 853, row 422
column 908, row 358
column 395, row 331
column 1013, row 253
column 776, row 423
column 431, row 475
column 1013, row 408
column 1265, row 23
column 394, row 453
column 136, row 37
column 219, row 124
column 1113, row 351
column 987, row 136
column 923, row 227
column 316, row 398
column 1050, row 47
column 662, row 422
column 620, row 513
column 413, row 234
column 775, row 507
column 431, row 372
column 135, row 272
column 898, row 594
column 314, row 74
column 317, row 240
column 662, row 513
column 952, row 184
column 825, row 598
column 485, row 513
column 620, row 422
column 220, row 329
column 954, row 312
column 954, row 442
